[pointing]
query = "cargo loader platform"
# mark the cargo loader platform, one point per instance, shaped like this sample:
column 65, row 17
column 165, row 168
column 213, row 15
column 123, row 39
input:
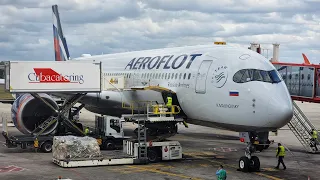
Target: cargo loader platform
column 157, row 151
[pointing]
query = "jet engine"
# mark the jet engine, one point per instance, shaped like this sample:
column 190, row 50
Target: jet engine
column 28, row 113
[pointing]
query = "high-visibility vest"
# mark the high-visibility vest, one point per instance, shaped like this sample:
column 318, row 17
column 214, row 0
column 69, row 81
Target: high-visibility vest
column 314, row 134
column 282, row 151
column 86, row 131
column 169, row 101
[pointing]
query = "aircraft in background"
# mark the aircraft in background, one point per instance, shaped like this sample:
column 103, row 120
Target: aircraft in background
column 215, row 85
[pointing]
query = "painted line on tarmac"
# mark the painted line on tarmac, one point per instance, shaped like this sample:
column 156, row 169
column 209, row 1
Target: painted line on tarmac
column 164, row 172
column 128, row 170
column 11, row 168
column 268, row 176
column 234, row 166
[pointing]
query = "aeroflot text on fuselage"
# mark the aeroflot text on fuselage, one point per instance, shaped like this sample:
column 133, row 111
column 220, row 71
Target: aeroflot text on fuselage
column 165, row 62
column 33, row 77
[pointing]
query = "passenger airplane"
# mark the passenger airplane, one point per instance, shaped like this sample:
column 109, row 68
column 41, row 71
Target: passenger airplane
column 215, row 86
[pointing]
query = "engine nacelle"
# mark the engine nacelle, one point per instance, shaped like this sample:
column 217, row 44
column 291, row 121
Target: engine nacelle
column 28, row 113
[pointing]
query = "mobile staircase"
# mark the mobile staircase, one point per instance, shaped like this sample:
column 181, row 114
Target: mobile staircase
column 301, row 127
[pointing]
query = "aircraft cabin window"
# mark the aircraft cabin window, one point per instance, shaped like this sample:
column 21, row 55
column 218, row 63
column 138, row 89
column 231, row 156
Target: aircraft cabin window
column 189, row 76
column 180, row 76
column 309, row 76
column 184, row 76
column 246, row 75
column 302, row 76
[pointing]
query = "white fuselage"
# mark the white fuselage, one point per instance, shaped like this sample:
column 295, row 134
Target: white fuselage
column 204, row 82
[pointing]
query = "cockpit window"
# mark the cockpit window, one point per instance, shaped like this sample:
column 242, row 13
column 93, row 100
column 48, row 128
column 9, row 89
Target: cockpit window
column 246, row 75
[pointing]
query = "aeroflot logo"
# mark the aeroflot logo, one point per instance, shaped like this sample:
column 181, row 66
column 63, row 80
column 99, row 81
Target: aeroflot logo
column 47, row 75
column 162, row 62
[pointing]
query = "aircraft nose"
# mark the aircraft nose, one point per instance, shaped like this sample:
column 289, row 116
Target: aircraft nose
column 280, row 108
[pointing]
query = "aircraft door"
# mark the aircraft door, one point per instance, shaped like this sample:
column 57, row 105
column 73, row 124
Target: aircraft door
column 135, row 78
column 202, row 76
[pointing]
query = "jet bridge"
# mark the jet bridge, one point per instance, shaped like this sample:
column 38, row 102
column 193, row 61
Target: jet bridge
column 303, row 83
column 75, row 77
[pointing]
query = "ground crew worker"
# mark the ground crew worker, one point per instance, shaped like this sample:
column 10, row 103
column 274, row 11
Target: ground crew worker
column 86, row 131
column 221, row 173
column 169, row 104
column 169, row 101
column 281, row 152
column 314, row 138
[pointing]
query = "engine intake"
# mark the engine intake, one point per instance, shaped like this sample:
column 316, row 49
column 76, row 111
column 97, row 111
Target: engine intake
column 28, row 113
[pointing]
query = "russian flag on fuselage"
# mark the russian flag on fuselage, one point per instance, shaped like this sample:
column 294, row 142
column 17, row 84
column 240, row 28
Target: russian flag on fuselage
column 233, row 93
column 60, row 44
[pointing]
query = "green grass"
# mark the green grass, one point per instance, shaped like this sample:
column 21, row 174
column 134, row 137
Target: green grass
column 4, row 94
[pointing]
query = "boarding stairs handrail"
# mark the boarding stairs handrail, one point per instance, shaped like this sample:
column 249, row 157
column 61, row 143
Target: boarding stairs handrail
column 301, row 127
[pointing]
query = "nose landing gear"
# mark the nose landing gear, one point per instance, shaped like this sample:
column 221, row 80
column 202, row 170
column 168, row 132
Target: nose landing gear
column 249, row 163
column 255, row 142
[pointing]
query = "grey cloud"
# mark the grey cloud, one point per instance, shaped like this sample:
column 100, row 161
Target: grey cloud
column 234, row 6
column 110, row 26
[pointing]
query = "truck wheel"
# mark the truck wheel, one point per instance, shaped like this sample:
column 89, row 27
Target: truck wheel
column 109, row 145
column 46, row 147
column 153, row 155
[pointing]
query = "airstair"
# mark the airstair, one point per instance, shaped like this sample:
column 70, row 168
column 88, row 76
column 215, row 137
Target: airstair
column 142, row 136
column 301, row 127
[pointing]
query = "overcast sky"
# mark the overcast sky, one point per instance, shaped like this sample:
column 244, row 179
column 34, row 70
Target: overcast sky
column 109, row 26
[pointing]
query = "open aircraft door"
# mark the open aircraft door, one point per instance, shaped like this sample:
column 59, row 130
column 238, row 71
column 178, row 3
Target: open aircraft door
column 202, row 76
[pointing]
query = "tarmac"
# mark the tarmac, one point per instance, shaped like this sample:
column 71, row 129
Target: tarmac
column 204, row 150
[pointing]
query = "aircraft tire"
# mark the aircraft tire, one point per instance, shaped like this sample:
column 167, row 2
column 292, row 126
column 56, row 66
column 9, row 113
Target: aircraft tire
column 244, row 164
column 255, row 164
